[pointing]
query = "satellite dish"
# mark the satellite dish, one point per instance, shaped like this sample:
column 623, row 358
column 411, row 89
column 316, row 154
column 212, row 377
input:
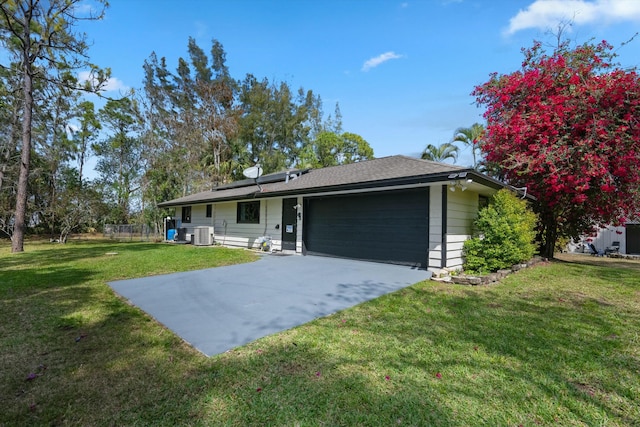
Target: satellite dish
column 253, row 172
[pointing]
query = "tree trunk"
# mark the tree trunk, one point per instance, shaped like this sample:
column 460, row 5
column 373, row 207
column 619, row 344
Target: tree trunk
column 550, row 237
column 17, row 239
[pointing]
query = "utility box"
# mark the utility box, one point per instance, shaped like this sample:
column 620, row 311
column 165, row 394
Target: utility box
column 202, row 236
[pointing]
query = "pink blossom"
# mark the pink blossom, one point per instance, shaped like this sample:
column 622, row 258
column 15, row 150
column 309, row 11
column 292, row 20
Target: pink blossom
column 607, row 188
column 579, row 198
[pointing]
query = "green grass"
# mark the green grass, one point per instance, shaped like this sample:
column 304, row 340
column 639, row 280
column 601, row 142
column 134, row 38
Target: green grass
column 557, row 344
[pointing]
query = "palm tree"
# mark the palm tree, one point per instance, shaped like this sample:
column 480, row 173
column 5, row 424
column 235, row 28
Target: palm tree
column 471, row 137
column 441, row 153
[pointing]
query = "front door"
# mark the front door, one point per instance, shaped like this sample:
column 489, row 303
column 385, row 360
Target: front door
column 289, row 223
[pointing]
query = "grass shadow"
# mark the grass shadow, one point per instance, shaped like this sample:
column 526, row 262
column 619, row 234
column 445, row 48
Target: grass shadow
column 606, row 262
column 43, row 254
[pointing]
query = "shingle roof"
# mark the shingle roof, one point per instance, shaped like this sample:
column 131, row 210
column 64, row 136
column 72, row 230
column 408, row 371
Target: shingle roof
column 391, row 170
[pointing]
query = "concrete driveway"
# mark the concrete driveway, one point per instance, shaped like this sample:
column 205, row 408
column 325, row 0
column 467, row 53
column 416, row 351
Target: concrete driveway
column 221, row 308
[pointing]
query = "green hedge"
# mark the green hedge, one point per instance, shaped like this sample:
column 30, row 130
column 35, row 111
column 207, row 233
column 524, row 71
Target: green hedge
column 504, row 235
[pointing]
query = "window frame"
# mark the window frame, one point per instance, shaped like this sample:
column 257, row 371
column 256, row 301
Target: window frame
column 242, row 211
column 186, row 215
column 208, row 211
column 483, row 201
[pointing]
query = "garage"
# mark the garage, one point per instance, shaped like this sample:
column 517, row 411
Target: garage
column 384, row 226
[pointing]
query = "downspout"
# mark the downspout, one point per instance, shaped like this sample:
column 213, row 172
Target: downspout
column 443, row 243
column 266, row 213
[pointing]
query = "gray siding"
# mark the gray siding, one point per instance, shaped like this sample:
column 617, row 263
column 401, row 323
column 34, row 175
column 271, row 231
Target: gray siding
column 228, row 232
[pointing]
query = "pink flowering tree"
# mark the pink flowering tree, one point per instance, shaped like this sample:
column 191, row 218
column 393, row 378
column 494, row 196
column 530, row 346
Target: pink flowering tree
column 567, row 127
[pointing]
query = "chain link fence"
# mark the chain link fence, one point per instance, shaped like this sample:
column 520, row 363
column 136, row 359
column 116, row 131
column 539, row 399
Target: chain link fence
column 132, row 232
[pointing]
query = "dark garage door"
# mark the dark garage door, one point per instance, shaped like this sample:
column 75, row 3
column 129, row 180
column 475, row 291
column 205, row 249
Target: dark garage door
column 387, row 226
column 633, row 238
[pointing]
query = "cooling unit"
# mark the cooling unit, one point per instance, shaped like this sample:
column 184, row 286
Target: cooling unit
column 202, row 236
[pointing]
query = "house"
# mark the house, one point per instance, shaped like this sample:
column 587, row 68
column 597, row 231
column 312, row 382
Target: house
column 395, row 209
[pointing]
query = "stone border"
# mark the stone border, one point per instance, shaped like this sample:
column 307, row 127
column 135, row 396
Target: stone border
column 463, row 279
column 624, row 256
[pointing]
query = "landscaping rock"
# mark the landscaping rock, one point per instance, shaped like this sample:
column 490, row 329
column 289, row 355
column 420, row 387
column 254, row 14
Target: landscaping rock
column 493, row 277
column 467, row 280
column 463, row 279
column 503, row 273
column 518, row 267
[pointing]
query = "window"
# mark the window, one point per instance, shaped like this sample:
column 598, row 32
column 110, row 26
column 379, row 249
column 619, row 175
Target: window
column 186, row 214
column 209, row 211
column 248, row 212
column 483, row 202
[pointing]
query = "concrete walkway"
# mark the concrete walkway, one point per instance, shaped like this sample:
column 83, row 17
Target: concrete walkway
column 221, row 308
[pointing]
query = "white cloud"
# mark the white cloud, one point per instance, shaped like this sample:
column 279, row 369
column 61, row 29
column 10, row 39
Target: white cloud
column 112, row 84
column 547, row 14
column 380, row 59
column 83, row 9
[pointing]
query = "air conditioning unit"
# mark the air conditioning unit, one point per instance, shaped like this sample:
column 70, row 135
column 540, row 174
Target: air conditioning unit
column 202, row 236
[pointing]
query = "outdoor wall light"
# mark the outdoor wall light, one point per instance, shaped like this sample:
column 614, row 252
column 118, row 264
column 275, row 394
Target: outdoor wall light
column 458, row 184
column 297, row 208
column 456, row 181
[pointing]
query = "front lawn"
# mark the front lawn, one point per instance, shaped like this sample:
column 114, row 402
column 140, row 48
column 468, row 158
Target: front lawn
column 557, row 344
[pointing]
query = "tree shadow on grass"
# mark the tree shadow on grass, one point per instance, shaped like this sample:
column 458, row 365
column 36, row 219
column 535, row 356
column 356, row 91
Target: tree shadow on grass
column 28, row 282
column 54, row 254
column 618, row 263
column 60, row 265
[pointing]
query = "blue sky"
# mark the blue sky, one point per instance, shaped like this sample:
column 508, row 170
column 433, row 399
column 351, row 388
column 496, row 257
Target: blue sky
column 401, row 71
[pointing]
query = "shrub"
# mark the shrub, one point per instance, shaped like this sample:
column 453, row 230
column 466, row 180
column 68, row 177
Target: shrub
column 504, row 234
